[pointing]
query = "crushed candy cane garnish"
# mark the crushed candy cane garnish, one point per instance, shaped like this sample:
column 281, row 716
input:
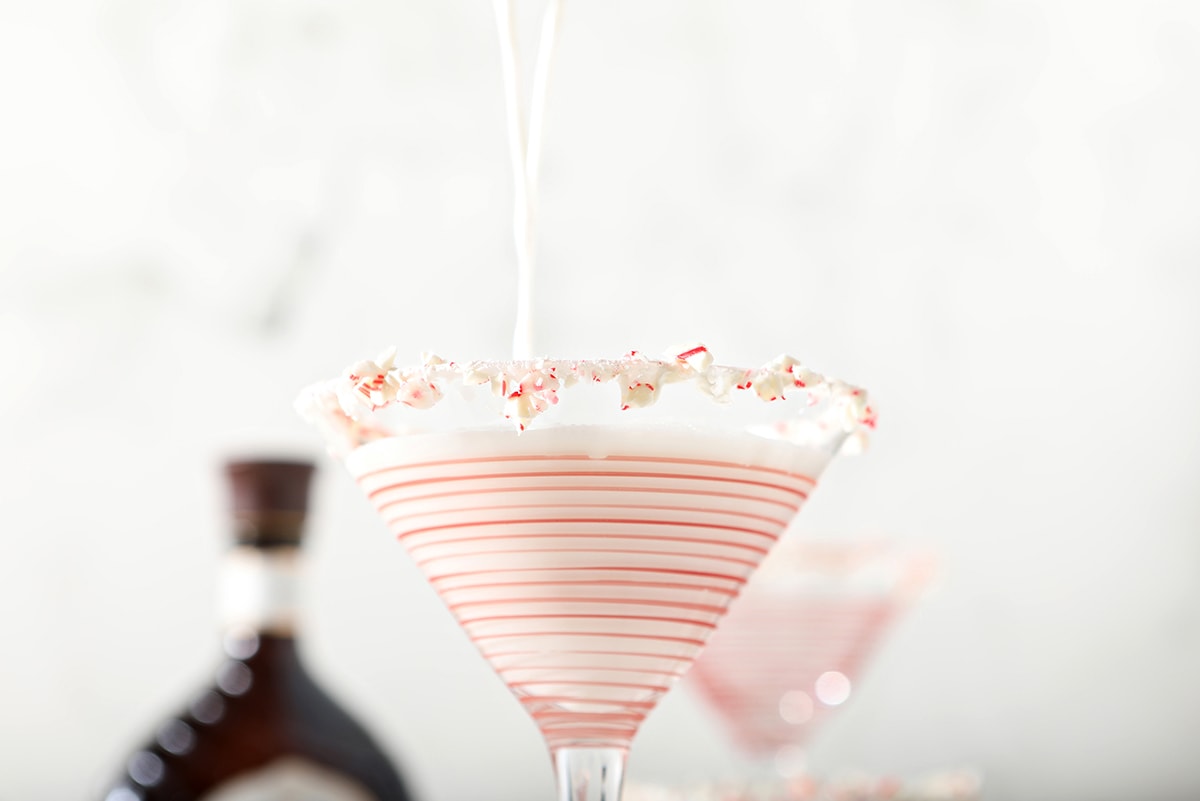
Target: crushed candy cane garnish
column 696, row 357
column 527, row 389
column 371, row 380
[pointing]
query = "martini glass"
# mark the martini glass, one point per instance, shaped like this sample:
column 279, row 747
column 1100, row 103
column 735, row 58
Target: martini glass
column 588, row 547
column 790, row 651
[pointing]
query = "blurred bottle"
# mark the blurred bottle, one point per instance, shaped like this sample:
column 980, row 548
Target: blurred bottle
column 264, row 730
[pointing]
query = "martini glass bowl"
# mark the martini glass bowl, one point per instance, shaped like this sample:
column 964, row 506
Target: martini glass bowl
column 587, row 522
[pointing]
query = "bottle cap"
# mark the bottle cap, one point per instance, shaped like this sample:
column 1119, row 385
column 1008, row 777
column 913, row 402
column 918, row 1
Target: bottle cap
column 269, row 500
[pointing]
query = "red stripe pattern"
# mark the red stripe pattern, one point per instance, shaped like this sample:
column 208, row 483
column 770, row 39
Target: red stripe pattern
column 589, row 583
column 770, row 653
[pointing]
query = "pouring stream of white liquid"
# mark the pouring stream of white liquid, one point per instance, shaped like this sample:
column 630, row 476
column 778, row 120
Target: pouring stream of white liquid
column 525, row 146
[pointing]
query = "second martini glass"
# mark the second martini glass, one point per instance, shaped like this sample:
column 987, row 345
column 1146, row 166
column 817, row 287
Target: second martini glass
column 587, row 547
column 786, row 655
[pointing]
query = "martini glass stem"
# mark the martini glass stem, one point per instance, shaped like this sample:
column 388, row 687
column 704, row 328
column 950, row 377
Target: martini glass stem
column 589, row 774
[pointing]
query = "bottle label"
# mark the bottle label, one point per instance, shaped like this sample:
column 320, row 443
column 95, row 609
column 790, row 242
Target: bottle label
column 291, row 779
column 259, row 589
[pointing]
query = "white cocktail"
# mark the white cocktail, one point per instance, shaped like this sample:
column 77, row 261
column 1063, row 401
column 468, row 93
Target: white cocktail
column 587, row 547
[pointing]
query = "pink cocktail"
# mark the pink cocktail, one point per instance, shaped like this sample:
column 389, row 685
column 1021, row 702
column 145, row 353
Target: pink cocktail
column 587, row 547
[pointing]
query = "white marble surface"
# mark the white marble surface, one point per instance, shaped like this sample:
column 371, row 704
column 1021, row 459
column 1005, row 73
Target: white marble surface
column 984, row 211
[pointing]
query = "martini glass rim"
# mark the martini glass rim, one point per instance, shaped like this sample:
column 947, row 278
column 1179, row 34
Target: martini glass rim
column 363, row 403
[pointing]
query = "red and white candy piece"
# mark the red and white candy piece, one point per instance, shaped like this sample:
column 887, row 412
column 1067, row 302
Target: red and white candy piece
column 530, row 388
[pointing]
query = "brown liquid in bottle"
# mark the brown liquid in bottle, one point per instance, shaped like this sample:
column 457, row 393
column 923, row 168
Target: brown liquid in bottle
column 264, row 730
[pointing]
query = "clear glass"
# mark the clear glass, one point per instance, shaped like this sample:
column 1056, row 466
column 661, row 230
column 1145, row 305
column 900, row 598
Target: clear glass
column 590, row 552
column 589, row 774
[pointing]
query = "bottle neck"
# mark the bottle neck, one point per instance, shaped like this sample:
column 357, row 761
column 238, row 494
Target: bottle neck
column 259, row 590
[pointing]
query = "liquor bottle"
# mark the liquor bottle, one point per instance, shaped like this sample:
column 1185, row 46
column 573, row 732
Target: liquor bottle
column 264, row 730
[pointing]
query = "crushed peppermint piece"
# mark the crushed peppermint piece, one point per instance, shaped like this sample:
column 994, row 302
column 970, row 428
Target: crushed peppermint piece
column 696, row 357
column 419, row 394
column 528, row 389
column 370, row 383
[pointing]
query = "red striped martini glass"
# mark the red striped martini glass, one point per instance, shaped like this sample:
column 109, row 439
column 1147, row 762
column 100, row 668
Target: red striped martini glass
column 587, row 522
column 790, row 652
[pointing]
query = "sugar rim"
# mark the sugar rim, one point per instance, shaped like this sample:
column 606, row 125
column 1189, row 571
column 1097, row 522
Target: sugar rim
column 527, row 388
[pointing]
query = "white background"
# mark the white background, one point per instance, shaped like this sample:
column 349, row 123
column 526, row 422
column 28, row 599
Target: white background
column 984, row 211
